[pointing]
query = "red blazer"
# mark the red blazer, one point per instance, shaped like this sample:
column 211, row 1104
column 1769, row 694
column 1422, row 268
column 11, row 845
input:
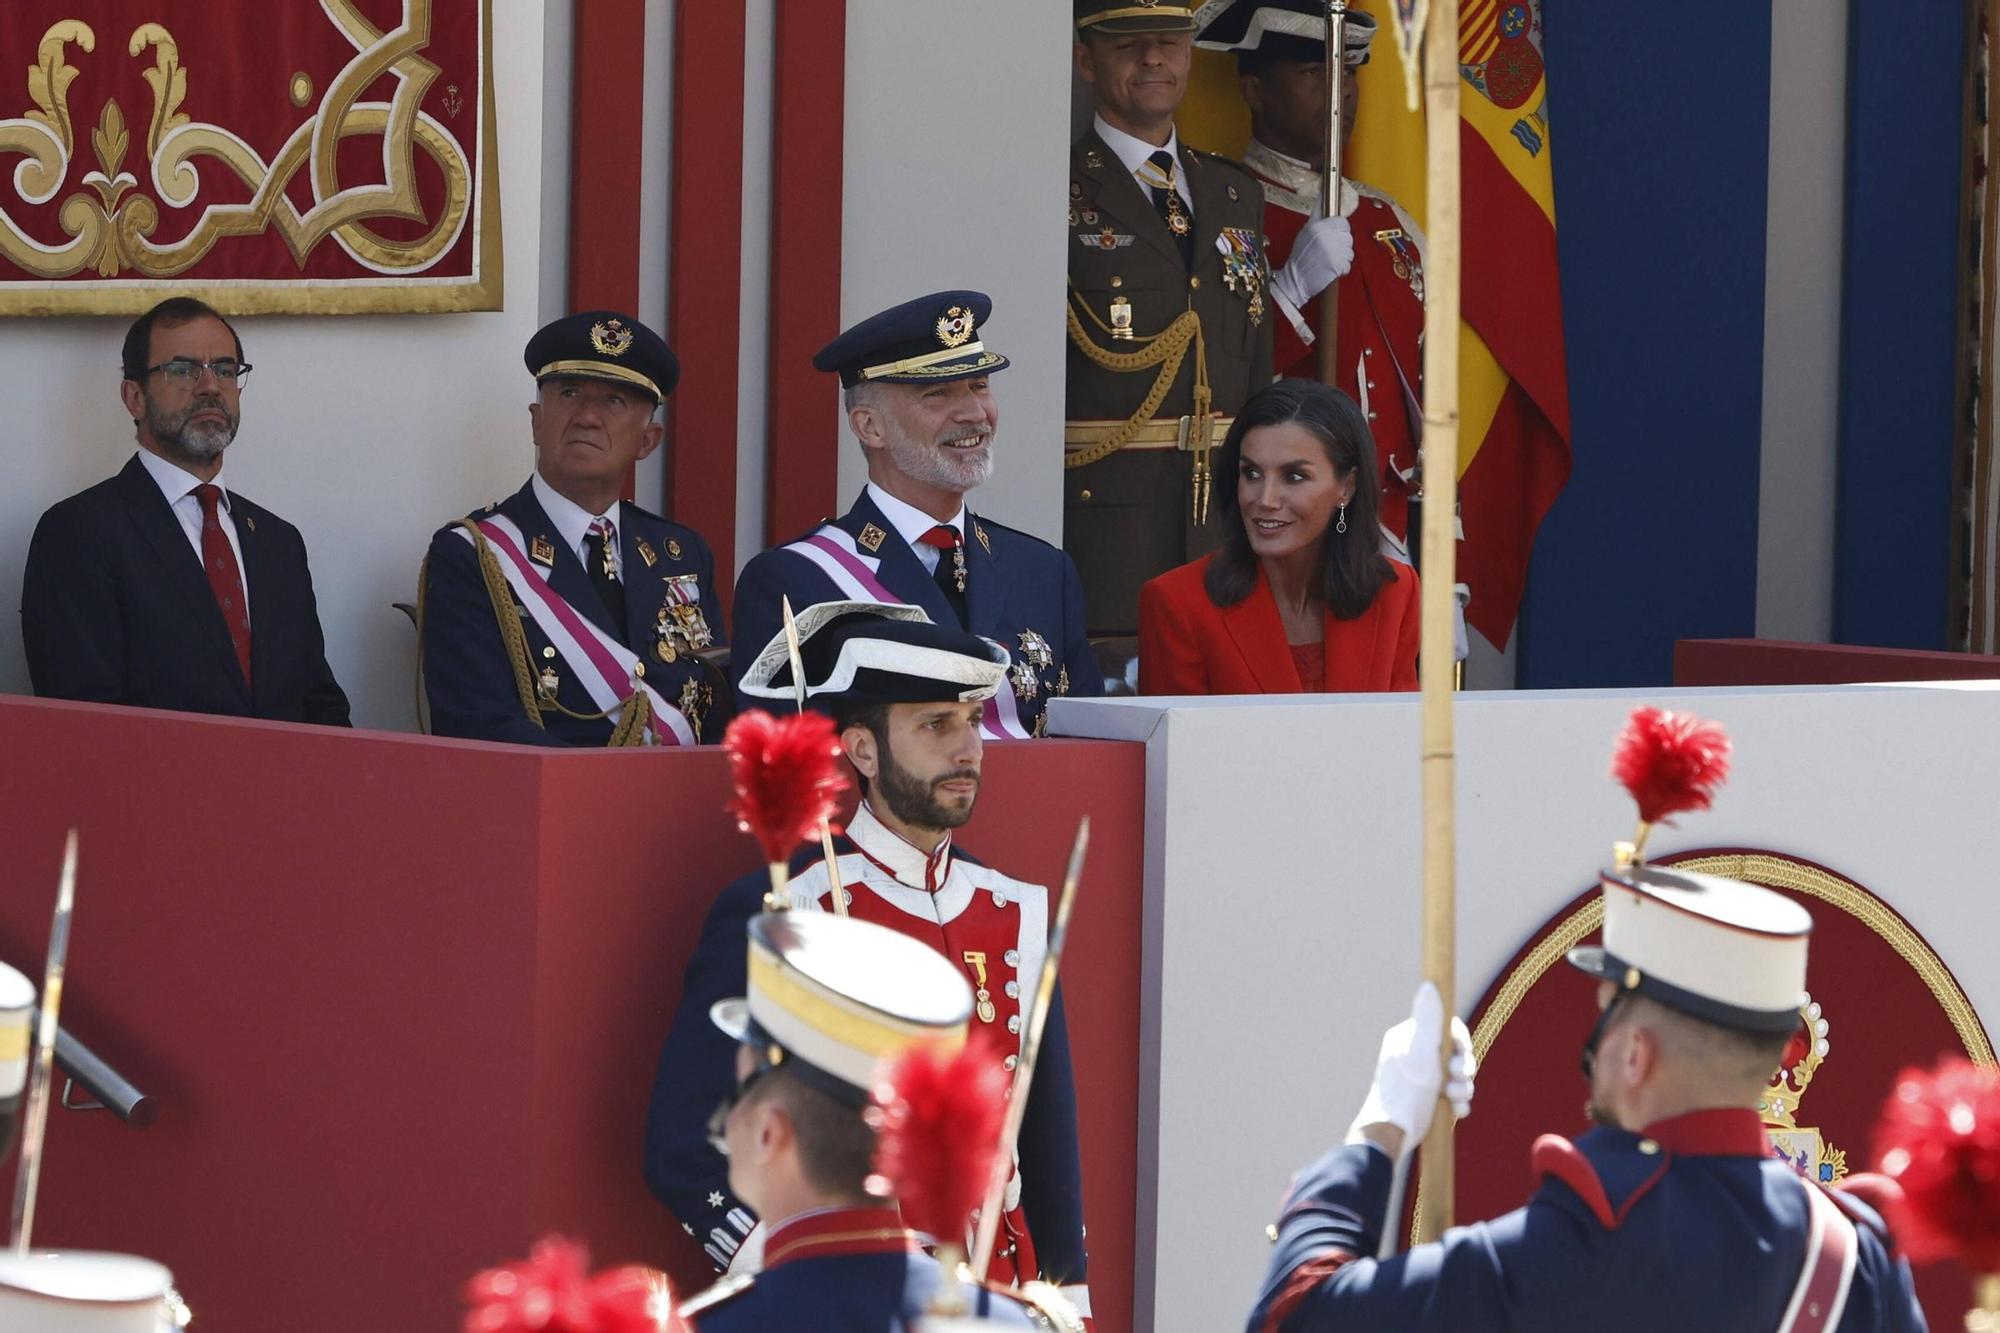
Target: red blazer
column 1189, row 645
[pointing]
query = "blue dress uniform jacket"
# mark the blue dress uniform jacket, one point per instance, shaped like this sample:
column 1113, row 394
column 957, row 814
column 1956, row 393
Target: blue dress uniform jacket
column 697, row 1068
column 467, row 677
column 1020, row 592
column 830, row 1273
column 1690, row 1226
column 116, row 608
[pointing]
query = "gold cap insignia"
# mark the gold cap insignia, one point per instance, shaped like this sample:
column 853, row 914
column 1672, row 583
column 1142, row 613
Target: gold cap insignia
column 955, row 327
column 611, row 337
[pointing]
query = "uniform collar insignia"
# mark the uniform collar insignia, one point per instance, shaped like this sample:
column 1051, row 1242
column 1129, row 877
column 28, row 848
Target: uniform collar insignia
column 542, row 551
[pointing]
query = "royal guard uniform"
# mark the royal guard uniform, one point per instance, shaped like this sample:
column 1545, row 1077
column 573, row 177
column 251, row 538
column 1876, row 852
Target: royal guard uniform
column 1692, row 1222
column 832, row 1000
column 539, row 630
column 996, row 581
column 989, row 926
column 1169, row 332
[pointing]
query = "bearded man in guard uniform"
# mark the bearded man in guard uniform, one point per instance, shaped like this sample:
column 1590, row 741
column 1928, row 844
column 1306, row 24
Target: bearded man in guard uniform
column 1170, row 316
column 907, row 697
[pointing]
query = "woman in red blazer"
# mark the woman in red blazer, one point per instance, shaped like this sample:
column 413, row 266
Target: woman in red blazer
column 1299, row 597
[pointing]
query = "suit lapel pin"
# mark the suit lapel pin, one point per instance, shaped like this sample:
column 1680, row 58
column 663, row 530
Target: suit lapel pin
column 646, row 553
column 250, row 522
column 985, row 542
column 1231, row 192
column 1093, row 159
column 542, row 552
column 871, row 538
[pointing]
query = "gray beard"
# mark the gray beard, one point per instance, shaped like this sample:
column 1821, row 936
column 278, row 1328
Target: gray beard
column 184, row 441
column 937, row 465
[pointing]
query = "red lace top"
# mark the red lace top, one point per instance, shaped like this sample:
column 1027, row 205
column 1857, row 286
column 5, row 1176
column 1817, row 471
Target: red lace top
column 1309, row 659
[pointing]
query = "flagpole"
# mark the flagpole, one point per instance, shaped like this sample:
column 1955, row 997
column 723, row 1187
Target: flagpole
column 1439, row 547
column 1329, row 194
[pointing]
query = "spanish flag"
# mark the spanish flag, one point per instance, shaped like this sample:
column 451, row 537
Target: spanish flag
column 1513, row 386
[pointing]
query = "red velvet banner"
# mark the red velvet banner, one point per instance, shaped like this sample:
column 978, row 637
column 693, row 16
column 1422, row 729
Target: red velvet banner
column 1883, row 996
column 299, row 158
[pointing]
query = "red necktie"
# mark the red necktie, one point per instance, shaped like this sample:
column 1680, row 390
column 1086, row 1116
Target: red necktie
column 224, row 578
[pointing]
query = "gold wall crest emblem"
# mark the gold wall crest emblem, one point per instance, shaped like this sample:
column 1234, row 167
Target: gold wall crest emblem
column 955, row 327
column 612, row 337
column 1801, row 1147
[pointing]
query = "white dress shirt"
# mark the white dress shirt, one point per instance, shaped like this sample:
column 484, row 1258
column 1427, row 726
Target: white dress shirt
column 178, row 485
column 911, row 523
column 573, row 521
column 1134, row 153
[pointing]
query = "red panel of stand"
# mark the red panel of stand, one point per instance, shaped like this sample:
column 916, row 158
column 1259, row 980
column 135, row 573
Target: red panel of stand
column 401, row 999
column 1781, row 662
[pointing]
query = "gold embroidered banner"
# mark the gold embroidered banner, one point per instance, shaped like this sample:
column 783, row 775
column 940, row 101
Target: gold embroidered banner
column 269, row 156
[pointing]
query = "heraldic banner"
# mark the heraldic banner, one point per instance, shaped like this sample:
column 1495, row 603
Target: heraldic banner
column 298, row 158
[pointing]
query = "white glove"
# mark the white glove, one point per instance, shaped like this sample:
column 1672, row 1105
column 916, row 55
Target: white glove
column 1323, row 253
column 1407, row 1077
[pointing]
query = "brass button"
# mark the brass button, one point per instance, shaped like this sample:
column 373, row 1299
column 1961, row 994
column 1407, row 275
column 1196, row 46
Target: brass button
column 1083, row 495
column 1012, row 957
column 549, row 651
column 1371, row 416
column 1194, row 282
column 639, row 670
column 1367, row 351
column 1648, row 1147
column 1117, row 281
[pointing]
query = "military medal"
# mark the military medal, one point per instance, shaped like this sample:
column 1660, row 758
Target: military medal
column 1177, row 218
column 1243, row 269
column 665, row 644
column 984, row 998
column 1405, row 259
column 680, row 625
column 1034, row 658
column 1121, row 319
column 695, row 699
column 549, row 682
column 1062, row 680
column 958, row 564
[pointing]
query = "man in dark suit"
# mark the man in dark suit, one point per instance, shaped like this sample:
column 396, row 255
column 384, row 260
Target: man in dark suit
column 920, row 404
column 161, row 587
column 1170, row 317
column 563, row 615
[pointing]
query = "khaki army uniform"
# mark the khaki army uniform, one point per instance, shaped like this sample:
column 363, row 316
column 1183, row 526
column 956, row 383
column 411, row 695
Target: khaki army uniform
column 1137, row 497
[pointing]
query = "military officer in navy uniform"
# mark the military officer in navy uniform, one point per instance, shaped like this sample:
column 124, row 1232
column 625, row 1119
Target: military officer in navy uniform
column 1170, row 318
column 920, row 402
column 907, row 697
column 828, row 1000
column 1672, row 1214
column 563, row 615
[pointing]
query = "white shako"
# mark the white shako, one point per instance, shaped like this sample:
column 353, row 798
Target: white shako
column 831, row 997
column 1718, row 949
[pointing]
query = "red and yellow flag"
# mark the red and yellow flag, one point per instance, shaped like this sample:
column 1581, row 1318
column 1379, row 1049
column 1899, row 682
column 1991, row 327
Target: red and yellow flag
column 1513, row 386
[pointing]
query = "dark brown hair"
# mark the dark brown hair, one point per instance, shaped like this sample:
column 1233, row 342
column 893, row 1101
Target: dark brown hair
column 1352, row 566
column 175, row 310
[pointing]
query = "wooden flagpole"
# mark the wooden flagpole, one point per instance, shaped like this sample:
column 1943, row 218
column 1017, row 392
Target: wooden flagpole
column 1440, row 472
column 1329, row 194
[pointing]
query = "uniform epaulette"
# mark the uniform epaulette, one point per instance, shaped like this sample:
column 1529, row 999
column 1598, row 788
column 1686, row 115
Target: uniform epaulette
column 1556, row 1157
column 731, row 1285
column 1870, row 1199
column 1046, row 1305
column 1224, row 160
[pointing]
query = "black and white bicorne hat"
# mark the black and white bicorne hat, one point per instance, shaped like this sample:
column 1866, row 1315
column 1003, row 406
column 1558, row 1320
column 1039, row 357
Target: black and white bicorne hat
column 877, row 652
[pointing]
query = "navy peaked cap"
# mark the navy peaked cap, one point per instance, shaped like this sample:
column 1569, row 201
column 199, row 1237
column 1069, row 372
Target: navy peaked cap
column 930, row 340
column 604, row 345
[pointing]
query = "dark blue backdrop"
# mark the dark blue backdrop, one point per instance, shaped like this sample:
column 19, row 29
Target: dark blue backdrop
column 1661, row 174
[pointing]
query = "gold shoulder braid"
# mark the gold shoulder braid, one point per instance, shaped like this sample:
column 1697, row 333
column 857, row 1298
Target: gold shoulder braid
column 637, row 711
column 1166, row 349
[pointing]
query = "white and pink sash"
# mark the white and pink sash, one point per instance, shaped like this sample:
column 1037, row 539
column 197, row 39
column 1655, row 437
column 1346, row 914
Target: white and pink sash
column 607, row 668
column 835, row 553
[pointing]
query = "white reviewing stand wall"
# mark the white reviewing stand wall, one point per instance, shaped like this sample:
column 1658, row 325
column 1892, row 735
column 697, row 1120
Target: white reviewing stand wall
column 1282, row 881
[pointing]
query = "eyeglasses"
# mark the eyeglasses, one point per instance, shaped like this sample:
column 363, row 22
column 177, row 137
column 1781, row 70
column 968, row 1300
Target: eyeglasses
column 186, row 370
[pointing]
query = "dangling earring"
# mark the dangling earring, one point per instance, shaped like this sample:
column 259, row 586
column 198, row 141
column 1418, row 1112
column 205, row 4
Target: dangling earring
column 1341, row 526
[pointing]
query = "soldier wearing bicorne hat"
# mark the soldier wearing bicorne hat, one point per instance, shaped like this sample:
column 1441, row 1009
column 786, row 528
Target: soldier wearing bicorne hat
column 827, row 1002
column 1170, row 315
column 917, row 384
column 908, row 698
column 1672, row 1214
column 564, row 615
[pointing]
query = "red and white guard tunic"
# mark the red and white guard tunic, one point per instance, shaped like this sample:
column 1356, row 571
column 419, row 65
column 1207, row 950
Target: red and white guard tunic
column 1381, row 312
column 994, row 927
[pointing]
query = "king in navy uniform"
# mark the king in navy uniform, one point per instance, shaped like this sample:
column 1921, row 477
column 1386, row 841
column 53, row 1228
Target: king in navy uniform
column 563, row 615
column 919, row 401
column 907, row 696
column 1673, row 1214
column 829, row 1001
